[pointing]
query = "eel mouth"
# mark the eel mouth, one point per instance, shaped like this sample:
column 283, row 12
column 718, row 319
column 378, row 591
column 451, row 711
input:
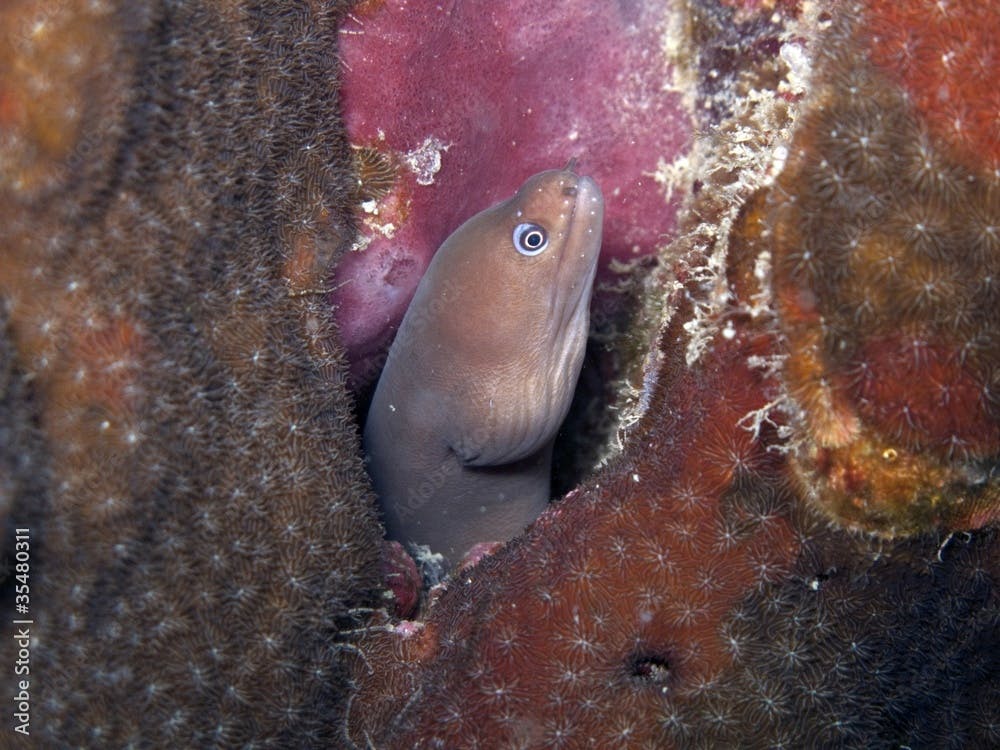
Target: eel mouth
column 578, row 262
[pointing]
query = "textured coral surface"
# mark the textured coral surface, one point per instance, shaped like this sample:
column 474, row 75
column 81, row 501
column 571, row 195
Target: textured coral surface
column 687, row 598
column 483, row 96
column 796, row 547
column 944, row 56
column 176, row 433
column 887, row 274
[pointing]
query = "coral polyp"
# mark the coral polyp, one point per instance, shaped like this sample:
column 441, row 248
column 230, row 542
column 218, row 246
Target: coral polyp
column 886, row 278
column 944, row 56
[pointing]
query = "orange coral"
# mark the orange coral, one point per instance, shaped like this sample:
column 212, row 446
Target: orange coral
column 887, row 277
column 51, row 82
column 945, row 55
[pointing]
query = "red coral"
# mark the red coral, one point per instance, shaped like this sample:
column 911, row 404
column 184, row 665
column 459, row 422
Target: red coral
column 402, row 579
column 945, row 55
column 612, row 603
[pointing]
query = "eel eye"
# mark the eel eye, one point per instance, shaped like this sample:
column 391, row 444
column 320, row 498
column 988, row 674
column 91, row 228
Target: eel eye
column 530, row 239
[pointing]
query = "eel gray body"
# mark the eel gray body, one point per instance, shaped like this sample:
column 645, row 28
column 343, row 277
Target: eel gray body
column 482, row 370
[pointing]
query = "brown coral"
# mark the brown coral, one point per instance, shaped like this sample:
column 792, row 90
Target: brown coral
column 175, row 187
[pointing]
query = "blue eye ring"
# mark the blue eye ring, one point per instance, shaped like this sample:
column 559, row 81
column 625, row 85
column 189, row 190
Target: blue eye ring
column 530, row 239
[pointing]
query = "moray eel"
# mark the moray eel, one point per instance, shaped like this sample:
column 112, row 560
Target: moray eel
column 482, row 370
